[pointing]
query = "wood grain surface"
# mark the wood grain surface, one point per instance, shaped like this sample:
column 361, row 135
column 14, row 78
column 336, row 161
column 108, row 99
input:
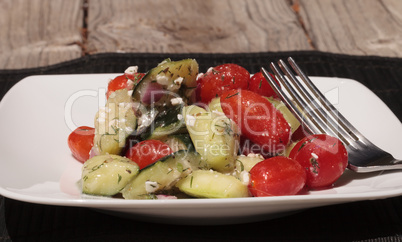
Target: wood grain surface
column 39, row 32
column 45, row 32
column 357, row 27
column 224, row 26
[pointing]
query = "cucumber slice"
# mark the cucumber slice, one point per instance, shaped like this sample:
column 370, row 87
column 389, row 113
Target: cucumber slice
column 106, row 175
column 170, row 79
column 278, row 104
column 114, row 123
column 214, row 136
column 167, row 122
column 245, row 163
column 215, row 105
column 163, row 175
column 212, row 184
column 179, row 142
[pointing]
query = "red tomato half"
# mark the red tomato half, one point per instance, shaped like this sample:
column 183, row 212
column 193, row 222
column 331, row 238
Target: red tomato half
column 260, row 85
column 148, row 152
column 221, row 78
column 80, row 142
column 276, row 176
column 257, row 118
column 323, row 157
column 120, row 82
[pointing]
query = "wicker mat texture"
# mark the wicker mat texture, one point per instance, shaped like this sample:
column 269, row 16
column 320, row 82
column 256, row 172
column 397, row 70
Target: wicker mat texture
column 378, row 220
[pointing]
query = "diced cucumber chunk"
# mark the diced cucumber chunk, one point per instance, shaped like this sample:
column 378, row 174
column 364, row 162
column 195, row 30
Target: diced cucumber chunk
column 106, row 175
column 168, row 80
column 167, row 122
column 245, row 163
column 214, row 136
column 160, row 177
column 114, row 123
column 212, row 184
column 215, row 105
column 179, row 142
column 290, row 118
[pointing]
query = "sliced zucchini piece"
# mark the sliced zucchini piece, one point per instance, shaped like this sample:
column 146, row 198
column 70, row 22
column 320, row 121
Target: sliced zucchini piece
column 215, row 105
column 278, row 104
column 212, row 184
column 106, row 175
column 163, row 175
column 179, row 142
column 114, row 123
column 168, row 80
column 167, row 122
column 214, row 136
column 245, row 163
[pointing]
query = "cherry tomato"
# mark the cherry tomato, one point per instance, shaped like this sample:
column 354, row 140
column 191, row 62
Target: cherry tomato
column 221, row 78
column 80, row 142
column 148, row 152
column 257, row 118
column 276, row 176
column 323, row 157
column 260, row 85
column 120, row 82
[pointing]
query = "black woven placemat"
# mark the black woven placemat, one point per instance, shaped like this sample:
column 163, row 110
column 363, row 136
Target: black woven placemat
column 379, row 220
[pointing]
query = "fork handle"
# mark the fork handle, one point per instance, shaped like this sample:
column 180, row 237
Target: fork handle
column 387, row 162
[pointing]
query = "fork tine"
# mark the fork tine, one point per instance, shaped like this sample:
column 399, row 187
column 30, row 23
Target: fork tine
column 348, row 131
column 324, row 123
column 320, row 116
column 346, row 125
column 287, row 101
column 296, row 102
column 312, row 115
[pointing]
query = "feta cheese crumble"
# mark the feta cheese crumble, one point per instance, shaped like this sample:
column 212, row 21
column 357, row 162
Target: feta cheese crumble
column 314, row 155
column 151, row 186
column 190, row 120
column 131, row 70
column 245, row 177
column 162, row 79
column 178, row 80
column 253, row 155
column 176, row 101
column 199, row 76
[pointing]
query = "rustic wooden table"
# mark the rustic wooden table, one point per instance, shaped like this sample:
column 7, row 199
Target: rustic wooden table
column 44, row 32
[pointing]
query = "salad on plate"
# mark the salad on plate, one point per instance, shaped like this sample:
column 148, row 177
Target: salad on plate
column 173, row 133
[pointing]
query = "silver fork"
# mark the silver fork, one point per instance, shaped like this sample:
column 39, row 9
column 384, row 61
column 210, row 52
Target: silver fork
column 311, row 108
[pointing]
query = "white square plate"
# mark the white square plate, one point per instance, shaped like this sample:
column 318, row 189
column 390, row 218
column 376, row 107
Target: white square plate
column 36, row 165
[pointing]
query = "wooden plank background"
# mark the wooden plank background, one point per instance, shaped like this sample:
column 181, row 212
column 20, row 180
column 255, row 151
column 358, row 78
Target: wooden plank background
column 45, row 32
